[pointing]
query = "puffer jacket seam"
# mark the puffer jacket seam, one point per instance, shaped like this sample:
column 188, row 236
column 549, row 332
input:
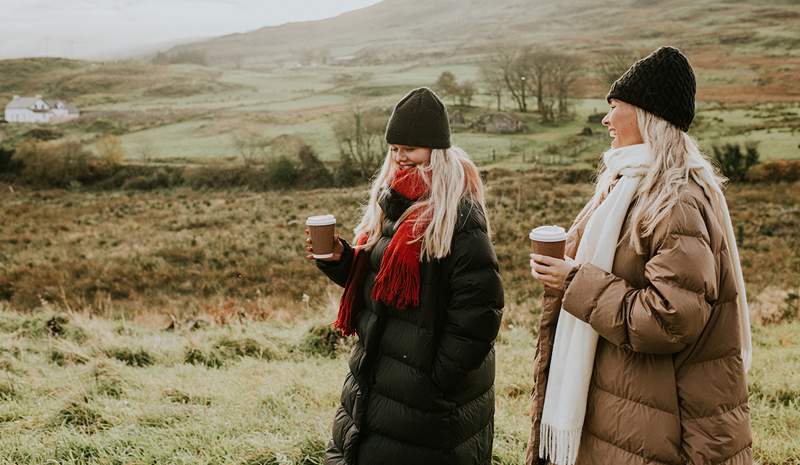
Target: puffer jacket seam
column 733, row 456
column 649, row 459
column 716, row 414
column 420, row 446
column 410, row 407
column 634, row 401
column 393, row 357
column 678, row 284
column 408, row 323
column 710, row 360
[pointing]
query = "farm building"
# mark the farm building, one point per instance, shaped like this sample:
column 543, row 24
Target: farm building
column 38, row 110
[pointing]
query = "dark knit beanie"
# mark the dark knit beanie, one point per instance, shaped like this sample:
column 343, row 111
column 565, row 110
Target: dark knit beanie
column 661, row 83
column 419, row 120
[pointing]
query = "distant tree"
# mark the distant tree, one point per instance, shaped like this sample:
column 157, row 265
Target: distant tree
column 146, row 152
column 109, row 150
column 538, row 64
column 613, row 65
column 492, row 81
column 564, row 73
column 735, row 162
column 251, row 146
column 465, row 92
column 359, row 134
column 507, row 60
column 446, row 85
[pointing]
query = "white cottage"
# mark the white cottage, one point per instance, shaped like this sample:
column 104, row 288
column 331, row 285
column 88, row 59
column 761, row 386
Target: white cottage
column 38, row 110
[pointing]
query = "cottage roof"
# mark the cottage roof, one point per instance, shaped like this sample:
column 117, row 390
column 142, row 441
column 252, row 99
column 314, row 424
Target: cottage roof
column 21, row 103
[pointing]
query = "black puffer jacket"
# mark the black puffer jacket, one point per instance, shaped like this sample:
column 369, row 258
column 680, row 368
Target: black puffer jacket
column 420, row 390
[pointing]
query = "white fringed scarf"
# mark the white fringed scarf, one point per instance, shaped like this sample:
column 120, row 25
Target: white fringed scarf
column 575, row 342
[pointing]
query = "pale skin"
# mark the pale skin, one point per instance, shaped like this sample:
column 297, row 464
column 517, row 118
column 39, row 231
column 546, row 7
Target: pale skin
column 403, row 158
column 623, row 127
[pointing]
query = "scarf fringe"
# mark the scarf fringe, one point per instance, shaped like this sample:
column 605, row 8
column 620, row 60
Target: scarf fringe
column 558, row 445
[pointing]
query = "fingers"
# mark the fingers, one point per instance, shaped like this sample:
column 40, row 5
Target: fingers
column 546, row 260
column 539, row 268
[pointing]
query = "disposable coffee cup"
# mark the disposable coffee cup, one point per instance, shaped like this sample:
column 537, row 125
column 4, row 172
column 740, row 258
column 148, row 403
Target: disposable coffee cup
column 548, row 240
column 321, row 228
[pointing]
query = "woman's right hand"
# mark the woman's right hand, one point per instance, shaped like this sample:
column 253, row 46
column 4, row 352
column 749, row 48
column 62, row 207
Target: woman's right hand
column 338, row 249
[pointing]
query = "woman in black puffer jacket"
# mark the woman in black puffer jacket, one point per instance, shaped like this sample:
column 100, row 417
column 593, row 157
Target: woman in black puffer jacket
column 423, row 293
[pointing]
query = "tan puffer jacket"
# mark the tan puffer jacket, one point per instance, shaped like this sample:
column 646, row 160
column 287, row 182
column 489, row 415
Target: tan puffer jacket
column 668, row 385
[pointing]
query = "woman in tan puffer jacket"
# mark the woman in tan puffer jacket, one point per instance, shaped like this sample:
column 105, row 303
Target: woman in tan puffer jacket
column 642, row 356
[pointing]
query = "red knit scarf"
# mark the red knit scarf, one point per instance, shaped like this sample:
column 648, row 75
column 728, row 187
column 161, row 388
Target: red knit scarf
column 398, row 279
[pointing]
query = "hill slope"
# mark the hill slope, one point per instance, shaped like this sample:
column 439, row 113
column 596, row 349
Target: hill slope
column 395, row 28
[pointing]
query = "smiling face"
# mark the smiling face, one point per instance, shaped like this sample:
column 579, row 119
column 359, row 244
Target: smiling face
column 406, row 157
column 622, row 124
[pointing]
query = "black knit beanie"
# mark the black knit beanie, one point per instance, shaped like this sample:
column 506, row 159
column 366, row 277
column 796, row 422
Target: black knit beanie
column 662, row 83
column 419, row 120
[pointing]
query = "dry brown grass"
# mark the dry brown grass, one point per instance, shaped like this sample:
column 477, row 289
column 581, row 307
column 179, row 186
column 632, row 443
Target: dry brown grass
column 229, row 254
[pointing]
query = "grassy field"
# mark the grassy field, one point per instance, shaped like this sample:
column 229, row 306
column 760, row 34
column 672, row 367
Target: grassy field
column 183, row 326
column 96, row 391
column 188, row 112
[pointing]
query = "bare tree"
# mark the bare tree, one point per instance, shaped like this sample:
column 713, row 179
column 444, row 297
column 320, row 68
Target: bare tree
column 360, row 137
column 465, row 93
column 251, row 146
column 564, row 72
column 506, row 59
column 146, row 151
column 613, row 65
column 538, row 66
column 492, row 78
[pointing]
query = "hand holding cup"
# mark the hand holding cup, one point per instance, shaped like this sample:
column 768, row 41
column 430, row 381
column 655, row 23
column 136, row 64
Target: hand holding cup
column 322, row 241
column 547, row 260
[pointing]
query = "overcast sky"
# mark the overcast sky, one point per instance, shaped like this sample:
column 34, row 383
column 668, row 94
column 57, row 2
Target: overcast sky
column 101, row 28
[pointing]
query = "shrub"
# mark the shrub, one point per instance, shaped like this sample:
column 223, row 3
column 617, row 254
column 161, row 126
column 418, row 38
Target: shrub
column 775, row 171
column 60, row 164
column 313, row 172
column 735, row 162
column 281, row 173
column 322, row 340
column 109, row 149
column 43, row 134
column 347, row 173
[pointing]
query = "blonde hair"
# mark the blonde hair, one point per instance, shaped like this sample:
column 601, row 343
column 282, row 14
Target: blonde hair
column 677, row 159
column 452, row 176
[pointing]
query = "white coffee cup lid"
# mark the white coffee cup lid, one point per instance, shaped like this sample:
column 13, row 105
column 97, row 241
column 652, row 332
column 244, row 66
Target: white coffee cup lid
column 548, row 234
column 320, row 220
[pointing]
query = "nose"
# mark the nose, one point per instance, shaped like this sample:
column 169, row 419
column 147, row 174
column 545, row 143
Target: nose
column 606, row 120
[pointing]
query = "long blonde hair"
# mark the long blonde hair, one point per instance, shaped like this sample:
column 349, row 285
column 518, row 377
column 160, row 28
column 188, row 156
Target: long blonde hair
column 677, row 159
column 453, row 177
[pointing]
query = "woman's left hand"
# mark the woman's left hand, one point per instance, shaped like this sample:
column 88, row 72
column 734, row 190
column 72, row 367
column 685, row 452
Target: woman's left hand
column 552, row 272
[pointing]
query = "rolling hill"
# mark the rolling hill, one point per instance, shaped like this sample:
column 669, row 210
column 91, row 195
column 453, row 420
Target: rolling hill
column 431, row 28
